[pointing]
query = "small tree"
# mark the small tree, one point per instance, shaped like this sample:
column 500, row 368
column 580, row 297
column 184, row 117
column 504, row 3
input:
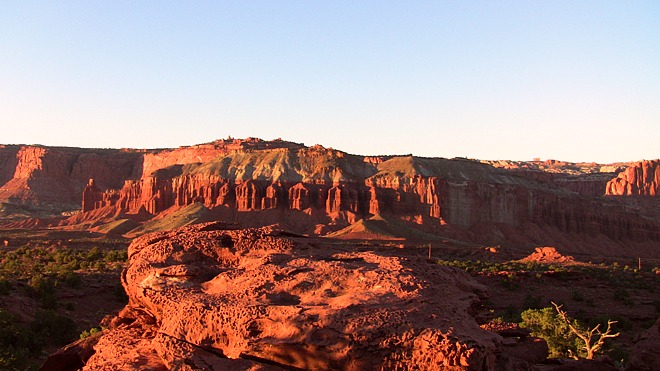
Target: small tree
column 593, row 339
column 545, row 323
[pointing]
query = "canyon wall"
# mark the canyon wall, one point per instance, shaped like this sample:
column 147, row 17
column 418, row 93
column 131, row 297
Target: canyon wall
column 38, row 175
column 253, row 175
column 427, row 191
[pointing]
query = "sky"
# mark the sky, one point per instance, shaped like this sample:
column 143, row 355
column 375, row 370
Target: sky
column 567, row 80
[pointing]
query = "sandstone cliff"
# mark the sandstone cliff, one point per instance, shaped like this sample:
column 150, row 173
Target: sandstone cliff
column 430, row 192
column 55, row 177
column 640, row 179
column 317, row 190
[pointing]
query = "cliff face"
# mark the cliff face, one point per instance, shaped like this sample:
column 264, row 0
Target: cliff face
column 641, row 179
column 38, row 176
column 344, row 187
column 55, row 176
column 322, row 186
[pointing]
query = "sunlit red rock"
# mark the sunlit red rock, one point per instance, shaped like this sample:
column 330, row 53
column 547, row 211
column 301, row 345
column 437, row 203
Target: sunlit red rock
column 641, row 179
column 494, row 202
column 211, row 296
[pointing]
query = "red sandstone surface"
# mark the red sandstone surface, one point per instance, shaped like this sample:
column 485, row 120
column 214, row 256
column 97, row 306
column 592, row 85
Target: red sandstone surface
column 214, row 297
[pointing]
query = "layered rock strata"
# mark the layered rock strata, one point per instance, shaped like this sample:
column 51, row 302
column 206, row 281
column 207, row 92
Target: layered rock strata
column 641, row 179
column 53, row 176
column 496, row 201
column 37, row 175
column 433, row 192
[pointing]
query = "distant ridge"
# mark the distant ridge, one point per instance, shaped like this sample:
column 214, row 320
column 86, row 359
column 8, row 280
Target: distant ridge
column 323, row 191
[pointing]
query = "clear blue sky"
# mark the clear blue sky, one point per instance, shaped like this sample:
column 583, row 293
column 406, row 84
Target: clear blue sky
column 570, row 80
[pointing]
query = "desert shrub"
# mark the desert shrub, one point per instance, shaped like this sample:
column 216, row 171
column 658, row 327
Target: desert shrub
column 532, row 302
column 71, row 279
column 567, row 337
column 55, row 327
column 12, row 358
column 94, row 254
column 115, row 256
column 545, row 323
column 20, row 343
column 511, row 314
column 16, row 343
column 39, row 285
column 87, row 333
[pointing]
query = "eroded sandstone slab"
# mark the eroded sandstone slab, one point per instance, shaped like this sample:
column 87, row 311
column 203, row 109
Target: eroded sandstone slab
column 213, row 297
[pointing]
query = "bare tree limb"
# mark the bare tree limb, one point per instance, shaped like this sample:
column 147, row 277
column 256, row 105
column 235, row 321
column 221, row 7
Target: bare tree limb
column 588, row 336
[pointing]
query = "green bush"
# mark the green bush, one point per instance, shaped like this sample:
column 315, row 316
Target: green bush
column 39, row 285
column 532, row 302
column 94, row 254
column 16, row 343
column 71, row 279
column 87, row 333
column 511, row 314
column 53, row 326
column 546, row 324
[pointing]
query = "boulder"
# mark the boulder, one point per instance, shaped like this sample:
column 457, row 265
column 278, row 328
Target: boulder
column 209, row 297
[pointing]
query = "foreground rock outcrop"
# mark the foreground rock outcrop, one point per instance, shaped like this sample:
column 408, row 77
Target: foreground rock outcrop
column 214, row 297
column 646, row 353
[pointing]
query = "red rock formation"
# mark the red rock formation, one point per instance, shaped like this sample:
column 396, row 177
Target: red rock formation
column 248, row 196
column 645, row 355
column 342, row 198
column 226, row 195
column 92, row 197
column 252, row 175
column 462, row 193
column 309, row 307
column 299, row 197
column 641, row 179
column 273, row 197
column 547, row 255
column 8, row 162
